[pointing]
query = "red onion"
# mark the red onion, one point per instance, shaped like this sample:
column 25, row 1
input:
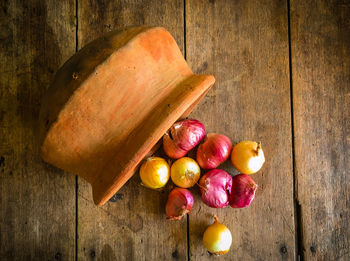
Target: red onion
column 182, row 137
column 215, row 188
column 215, row 150
column 180, row 202
column 243, row 191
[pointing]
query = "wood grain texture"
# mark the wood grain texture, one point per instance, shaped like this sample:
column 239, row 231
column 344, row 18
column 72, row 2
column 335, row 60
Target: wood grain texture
column 245, row 45
column 134, row 227
column 320, row 36
column 37, row 209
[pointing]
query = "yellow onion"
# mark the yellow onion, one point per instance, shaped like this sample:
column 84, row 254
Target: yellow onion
column 247, row 157
column 217, row 238
column 185, row 172
column 154, row 172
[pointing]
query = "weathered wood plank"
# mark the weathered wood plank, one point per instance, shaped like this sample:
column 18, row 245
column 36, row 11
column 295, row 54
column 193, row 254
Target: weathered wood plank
column 37, row 209
column 245, row 45
column 320, row 35
column 135, row 226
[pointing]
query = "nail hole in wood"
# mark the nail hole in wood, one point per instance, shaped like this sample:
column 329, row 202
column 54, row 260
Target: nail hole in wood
column 75, row 76
column 175, row 254
column 58, row 256
column 2, row 161
column 283, row 249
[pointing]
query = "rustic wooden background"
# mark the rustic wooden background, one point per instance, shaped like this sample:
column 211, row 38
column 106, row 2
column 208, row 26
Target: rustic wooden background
column 283, row 77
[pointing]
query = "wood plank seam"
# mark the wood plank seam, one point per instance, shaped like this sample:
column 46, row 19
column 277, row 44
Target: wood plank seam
column 320, row 50
column 185, row 56
column 297, row 207
column 76, row 177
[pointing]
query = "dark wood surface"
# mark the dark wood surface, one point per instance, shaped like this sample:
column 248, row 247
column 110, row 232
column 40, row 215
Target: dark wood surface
column 245, row 45
column 320, row 33
column 283, row 77
column 37, row 209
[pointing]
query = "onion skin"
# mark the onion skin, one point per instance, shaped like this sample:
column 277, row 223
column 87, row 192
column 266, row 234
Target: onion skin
column 217, row 238
column 215, row 150
column 215, row 188
column 180, row 202
column 182, row 137
column 243, row 191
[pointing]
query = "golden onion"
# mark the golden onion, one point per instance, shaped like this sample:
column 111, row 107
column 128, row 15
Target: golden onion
column 185, row 172
column 217, row 238
column 247, row 157
column 154, row 172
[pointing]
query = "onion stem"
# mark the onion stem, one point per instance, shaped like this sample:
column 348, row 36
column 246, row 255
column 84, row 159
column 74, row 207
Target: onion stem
column 202, row 187
column 258, row 148
column 216, row 219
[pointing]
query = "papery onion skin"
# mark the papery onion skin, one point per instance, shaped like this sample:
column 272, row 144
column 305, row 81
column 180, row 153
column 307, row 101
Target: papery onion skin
column 217, row 238
column 247, row 157
column 215, row 150
column 185, row 172
column 182, row 137
column 154, row 172
column 243, row 191
column 180, row 201
column 215, row 188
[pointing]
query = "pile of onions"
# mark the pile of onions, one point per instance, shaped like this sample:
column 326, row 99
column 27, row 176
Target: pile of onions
column 215, row 150
column 182, row 137
column 218, row 188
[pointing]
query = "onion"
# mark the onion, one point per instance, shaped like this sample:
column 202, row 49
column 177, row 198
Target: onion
column 185, row 172
column 247, row 157
column 243, row 191
column 215, row 188
column 182, row 137
column 215, row 150
column 217, row 238
column 154, row 172
column 180, row 202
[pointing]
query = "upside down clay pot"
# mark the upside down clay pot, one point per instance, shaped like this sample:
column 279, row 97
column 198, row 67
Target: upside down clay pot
column 111, row 102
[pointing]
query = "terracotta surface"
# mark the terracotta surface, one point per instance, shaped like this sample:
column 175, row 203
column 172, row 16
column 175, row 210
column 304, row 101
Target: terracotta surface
column 112, row 101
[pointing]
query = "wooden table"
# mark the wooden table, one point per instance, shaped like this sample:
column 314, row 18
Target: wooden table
column 283, row 77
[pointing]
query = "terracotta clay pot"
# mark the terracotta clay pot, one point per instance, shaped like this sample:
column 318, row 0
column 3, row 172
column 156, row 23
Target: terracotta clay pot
column 111, row 102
